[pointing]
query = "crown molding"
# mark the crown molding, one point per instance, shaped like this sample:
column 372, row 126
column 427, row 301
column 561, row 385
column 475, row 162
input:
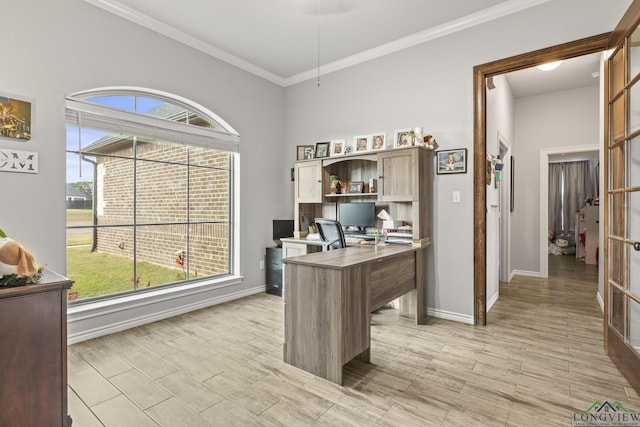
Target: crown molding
column 146, row 21
column 503, row 9
column 481, row 17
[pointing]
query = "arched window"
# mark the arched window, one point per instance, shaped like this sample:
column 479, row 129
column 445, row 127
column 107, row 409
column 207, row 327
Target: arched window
column 149, row 191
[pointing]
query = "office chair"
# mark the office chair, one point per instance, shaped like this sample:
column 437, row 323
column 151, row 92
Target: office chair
column 331, row 234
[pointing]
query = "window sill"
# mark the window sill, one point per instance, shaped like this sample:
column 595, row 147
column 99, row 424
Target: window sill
column 94, row 319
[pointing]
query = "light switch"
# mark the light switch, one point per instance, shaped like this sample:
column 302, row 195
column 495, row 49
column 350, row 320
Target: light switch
column 456, row 197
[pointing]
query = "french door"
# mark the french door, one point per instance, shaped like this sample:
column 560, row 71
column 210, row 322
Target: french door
column 622, row 198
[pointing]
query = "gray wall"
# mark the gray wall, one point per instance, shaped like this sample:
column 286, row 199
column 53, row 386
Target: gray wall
column 68, row 45
column 430, row 85
column 560, row 119
column 65, row 46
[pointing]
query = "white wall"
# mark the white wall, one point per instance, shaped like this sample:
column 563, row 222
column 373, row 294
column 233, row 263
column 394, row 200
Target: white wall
column 560, row 119
column 66, row 46
column 500, row 119
column 430, row 85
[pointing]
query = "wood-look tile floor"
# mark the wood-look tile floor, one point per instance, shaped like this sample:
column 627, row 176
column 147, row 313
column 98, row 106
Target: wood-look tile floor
column 539, row 359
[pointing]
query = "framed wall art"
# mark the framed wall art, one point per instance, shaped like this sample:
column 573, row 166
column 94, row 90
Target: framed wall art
column 15, row 118
column 452, row 161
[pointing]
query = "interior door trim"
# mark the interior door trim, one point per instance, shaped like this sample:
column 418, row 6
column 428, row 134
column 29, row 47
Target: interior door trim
column 563, row 51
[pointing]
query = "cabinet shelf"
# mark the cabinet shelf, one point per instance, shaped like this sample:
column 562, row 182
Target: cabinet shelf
column 351, row 195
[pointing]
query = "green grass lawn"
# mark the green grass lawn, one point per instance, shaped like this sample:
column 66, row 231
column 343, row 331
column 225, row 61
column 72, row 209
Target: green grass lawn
column 97, row 274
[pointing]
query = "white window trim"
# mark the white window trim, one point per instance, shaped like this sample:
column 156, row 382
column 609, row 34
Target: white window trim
column 93, row 319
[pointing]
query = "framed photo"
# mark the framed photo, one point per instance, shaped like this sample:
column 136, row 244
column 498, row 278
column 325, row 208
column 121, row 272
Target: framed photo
column 305, row 152
column 15, row 118
column 337, row 147
column 452, row 161
column 356, row 186
column 378, row 141
column 361, row 143
column 401, row 138
column 322, row 150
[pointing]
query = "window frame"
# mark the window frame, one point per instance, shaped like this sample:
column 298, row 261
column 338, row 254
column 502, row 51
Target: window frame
column 132, row 308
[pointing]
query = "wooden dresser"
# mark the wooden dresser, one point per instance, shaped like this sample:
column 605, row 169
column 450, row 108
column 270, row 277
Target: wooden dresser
column 33, row 353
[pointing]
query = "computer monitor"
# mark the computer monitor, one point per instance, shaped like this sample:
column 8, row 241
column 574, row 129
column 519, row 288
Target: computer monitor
column 359, row 215
column 282, row 228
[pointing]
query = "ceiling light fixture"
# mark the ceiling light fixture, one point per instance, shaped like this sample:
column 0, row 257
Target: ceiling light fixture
column 549, row 66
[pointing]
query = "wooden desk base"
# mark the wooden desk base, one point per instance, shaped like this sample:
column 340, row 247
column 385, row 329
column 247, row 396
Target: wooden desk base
column 328, row 306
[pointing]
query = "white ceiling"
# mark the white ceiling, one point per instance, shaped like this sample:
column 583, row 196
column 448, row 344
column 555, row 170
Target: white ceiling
column 278, row 39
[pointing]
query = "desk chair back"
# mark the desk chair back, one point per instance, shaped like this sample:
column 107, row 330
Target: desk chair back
column 331, row 234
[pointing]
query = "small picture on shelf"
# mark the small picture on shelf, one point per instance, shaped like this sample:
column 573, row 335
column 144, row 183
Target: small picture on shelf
column 377, row 141
column 337, row 147
column 401, row 138
column 356, row 186
column 362, row 143
column 305, row 152
column 322, row 150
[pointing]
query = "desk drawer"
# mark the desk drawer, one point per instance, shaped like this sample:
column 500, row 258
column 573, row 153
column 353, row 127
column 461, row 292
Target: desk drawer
column 391, row 278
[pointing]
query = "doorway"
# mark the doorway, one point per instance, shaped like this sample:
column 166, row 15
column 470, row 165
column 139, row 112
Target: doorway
column 481, row 74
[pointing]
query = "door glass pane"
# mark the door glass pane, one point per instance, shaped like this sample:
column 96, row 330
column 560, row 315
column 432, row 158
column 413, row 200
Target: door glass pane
column 616, row 168
column 634, row 108
column 634, row 53
column 633, row 162
column 633, row 216
column 616, row 310
column 634, row 324
column 616, row 216
column 617, row 251
column 617, row 120
column 634, row 272
column 616, row 73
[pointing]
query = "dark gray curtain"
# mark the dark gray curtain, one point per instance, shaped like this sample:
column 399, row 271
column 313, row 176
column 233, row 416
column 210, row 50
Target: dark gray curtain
column 576, row 185
column 570, row 183
column 555, row 198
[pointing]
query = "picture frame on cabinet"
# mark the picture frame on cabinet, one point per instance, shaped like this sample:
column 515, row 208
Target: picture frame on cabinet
column 337, row 147
column 356, row 186
column 452, row 161
column 322, row 150
column 401, row 138
column 305, row 152
column 361, row 143
column 378, row 141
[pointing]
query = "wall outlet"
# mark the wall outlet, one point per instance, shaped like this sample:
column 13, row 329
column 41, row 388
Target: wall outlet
column 261, row 264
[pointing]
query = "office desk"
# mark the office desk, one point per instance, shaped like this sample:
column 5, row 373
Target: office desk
column 329, row 297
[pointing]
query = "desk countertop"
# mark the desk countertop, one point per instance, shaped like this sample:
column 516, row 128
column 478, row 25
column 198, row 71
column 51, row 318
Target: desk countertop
column 347, row 257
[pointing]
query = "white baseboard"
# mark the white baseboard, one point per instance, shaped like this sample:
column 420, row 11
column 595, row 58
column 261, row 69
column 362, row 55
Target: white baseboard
column 513, row 273
column 94, row 320
column 525, row 273
column 448, row 315
column 600, row 301
column 492, row 300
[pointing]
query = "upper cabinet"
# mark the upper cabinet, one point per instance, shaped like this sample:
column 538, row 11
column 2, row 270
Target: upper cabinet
column 308, row 181
column 398, row 180
column 397, row 175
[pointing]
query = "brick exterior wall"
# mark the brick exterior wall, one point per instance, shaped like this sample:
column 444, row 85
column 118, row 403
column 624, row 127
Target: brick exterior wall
column 162, row 198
